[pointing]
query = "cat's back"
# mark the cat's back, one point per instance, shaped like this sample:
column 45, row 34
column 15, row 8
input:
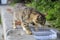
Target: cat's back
column 22, row 9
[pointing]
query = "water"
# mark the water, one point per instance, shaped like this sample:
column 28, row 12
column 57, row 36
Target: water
column 44, row 34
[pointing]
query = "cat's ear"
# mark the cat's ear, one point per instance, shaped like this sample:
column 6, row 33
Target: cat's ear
column 9, row 10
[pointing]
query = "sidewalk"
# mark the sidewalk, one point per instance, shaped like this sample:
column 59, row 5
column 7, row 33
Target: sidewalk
column 1, row 32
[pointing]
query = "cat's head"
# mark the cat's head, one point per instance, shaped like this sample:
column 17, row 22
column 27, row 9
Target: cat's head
column 41, row 19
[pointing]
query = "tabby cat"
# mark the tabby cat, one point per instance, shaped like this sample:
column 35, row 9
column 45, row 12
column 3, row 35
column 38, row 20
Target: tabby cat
column 25, row 15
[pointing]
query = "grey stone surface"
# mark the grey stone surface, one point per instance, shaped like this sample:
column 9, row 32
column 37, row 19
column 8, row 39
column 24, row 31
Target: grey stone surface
column 1, row 32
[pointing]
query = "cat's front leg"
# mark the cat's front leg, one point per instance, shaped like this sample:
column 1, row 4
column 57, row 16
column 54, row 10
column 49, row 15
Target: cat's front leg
column 26, row 28
column 14, row 26
column 36, row 25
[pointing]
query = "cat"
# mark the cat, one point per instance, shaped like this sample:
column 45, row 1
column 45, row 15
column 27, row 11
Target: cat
column 26, row 15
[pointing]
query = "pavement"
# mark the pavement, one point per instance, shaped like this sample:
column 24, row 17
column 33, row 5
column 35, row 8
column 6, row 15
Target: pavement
column 1, row 32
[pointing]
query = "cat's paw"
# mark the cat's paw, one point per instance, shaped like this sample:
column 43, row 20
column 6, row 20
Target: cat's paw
column 14, row 27
column 29, row 32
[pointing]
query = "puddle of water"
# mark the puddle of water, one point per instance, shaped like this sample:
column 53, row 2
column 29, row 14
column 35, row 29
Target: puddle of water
column 44, row 34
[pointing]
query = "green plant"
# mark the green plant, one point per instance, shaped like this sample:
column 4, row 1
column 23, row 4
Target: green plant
column 20, row 1
column 0, row 19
